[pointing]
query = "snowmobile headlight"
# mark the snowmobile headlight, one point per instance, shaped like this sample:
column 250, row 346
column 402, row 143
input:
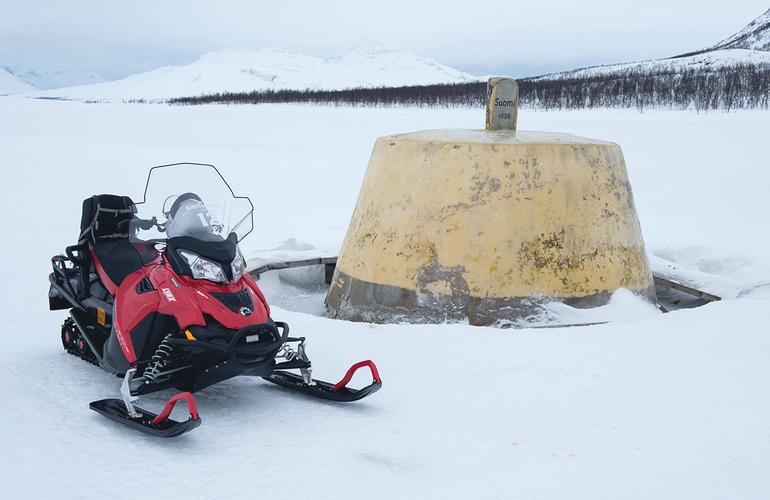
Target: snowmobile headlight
column 203, row 269
column 238, row 265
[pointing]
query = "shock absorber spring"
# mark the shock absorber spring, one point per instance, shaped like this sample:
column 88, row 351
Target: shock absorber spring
column 160, row 360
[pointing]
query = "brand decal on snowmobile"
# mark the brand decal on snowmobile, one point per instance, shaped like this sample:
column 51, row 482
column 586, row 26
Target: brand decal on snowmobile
column 121, row 340
column 175, row 283
column 169, row 296
column 245, row 311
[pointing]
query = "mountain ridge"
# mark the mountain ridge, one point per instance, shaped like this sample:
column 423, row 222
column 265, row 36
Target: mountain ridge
column 750, row 45
column 754, row 36
column 12, row 84
column 367, row 64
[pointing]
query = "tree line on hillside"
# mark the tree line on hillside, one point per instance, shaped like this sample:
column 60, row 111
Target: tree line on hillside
column 736, row 87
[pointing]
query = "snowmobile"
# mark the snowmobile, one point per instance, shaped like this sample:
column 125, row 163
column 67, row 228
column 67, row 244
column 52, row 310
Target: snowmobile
column 158, row 294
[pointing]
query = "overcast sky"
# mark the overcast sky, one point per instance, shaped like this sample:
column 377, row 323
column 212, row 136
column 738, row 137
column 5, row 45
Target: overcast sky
column 518, row 38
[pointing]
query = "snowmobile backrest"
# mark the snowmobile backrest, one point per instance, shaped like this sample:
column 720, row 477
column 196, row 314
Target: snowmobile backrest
column 105, row 216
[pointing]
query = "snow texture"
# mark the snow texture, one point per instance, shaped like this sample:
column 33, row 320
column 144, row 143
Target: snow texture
column 649, row 405
column 368, row 64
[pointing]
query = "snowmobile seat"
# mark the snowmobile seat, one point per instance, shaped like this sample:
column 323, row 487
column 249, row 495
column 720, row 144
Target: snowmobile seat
column 104, row 229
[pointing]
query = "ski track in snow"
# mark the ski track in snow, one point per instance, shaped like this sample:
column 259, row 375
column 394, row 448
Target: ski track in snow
column 648, row 405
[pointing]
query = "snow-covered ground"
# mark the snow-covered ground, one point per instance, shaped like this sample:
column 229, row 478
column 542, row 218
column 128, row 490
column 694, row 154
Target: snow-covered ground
column 650, row 405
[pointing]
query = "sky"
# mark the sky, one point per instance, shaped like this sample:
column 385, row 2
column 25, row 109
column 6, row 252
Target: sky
column 515, row 38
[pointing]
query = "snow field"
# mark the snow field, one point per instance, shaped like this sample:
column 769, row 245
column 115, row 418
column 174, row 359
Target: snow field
column 649, row 405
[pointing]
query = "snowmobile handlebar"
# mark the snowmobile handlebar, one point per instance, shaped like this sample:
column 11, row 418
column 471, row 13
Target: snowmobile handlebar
column 149, row 224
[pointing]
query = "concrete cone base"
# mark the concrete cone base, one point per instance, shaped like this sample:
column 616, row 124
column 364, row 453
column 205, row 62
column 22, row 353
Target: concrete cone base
column 480, row 226
column 357, row 300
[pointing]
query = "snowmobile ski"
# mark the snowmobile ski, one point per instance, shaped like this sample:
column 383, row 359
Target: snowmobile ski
column 326, row 390
column 147, row 422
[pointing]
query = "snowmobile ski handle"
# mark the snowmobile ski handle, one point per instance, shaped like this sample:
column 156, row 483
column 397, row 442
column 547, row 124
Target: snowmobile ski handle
column 353, row 369
column 172, row 402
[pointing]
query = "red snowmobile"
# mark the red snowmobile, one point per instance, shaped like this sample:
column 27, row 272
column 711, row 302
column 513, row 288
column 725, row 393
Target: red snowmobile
column 158, row 294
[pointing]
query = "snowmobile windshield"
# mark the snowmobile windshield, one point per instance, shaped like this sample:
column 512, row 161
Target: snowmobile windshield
column 190, row 200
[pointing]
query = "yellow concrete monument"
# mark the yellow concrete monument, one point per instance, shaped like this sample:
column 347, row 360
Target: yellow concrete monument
column 484, row 225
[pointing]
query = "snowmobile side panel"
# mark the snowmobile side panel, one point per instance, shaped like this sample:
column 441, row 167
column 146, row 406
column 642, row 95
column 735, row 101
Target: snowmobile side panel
column 131, row 308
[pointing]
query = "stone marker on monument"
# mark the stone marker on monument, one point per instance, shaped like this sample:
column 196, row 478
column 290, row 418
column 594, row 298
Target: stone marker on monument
column 502, row 103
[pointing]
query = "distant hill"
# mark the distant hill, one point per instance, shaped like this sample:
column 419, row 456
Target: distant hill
column 708, row 60
column 368, row 64
column 733, row 74
column 45, row 80
column 10, row 84
column 755, row 36
column 748, row 47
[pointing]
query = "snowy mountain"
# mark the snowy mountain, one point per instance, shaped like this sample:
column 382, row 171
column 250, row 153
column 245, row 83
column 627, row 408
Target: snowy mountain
column 45, row 80
column 11, row 84
column 712, row 60
column 750, row 46
column 368, row 64
column 755, row 36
